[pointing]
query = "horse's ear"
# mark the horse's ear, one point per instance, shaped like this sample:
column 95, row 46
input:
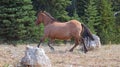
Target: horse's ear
column 40, row 11
column 44, row 11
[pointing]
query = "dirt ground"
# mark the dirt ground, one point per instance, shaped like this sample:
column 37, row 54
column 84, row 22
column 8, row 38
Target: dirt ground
column 106, row 56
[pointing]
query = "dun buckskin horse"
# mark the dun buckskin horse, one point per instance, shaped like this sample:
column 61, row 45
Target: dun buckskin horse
column 62, row 30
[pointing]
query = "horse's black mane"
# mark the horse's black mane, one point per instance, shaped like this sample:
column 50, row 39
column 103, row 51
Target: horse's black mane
column 48, row 14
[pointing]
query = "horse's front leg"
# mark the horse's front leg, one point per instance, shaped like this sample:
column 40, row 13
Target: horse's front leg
column 50, row 41
column 41, row 40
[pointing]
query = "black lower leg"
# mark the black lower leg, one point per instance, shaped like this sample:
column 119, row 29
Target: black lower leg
column 85, row 48
column 39, row 43
column 49, row 42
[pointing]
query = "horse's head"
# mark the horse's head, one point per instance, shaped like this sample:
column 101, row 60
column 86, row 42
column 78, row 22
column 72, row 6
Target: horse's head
column 44, row 17
column 39, row 18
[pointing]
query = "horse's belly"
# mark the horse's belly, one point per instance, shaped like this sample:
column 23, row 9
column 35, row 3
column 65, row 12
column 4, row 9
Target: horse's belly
column 60, row 35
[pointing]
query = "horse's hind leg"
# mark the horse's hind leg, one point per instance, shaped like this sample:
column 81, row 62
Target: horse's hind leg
column 76, row 44
column 50, row 42
column 41, row 40
column 85, row 48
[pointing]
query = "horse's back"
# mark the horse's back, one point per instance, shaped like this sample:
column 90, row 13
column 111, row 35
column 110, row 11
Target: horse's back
column 75, row 26
column 74, row 22
column 63, row 25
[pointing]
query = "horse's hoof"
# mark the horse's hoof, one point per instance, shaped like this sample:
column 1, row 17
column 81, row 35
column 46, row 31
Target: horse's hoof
column 85, row 51
column 70, row 50
column 38, row 46
column 52, row 49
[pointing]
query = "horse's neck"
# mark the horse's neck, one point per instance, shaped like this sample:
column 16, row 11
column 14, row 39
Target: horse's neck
column 47, row 21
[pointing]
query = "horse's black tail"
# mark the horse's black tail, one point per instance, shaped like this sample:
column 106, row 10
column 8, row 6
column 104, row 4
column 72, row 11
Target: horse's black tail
column 86, row 32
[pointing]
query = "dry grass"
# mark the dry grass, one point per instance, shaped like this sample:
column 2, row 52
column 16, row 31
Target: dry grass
column 106, row 56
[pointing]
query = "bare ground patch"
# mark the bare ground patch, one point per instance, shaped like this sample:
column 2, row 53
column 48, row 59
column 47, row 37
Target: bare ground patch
column 106, row 56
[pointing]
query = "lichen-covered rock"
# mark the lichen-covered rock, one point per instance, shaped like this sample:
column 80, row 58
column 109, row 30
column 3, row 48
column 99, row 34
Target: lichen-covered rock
column 35, row 57
column 92, row 44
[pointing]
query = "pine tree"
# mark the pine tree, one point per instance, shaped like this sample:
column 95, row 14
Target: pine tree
column 72, row 11
column 117, row 28
column 107, row 26
column 116, row 5
column 39, row 5
column 116, row 9
column 91, row 16
column 81, row 5
column 17, row 19
column 58, row 9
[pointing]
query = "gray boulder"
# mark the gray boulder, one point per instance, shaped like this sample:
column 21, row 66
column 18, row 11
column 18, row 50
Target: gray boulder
column 35, row 57
column 92, row 44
